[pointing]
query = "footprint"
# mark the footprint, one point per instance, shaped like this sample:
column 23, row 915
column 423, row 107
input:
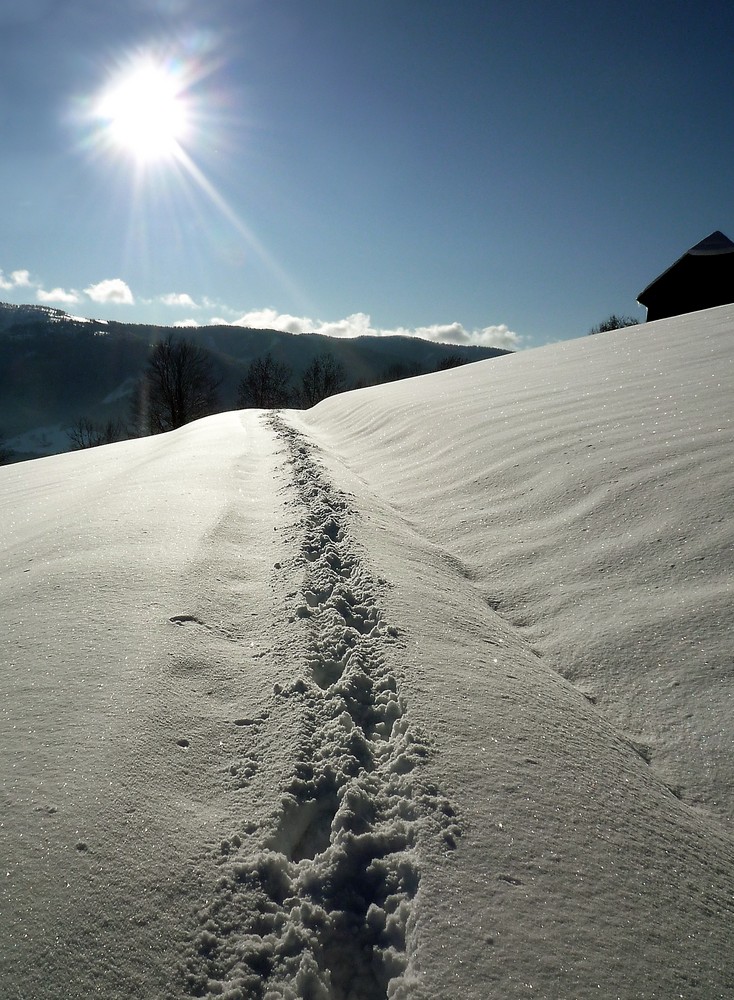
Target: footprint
column 189, row 620
column 304, row 830
column 323, row 907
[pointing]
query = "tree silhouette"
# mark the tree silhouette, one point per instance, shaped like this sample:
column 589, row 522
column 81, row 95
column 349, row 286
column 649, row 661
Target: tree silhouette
column 267, row 383
column 86, row 433
column 400, row 370
column 451, row 361
column 325, row 376
column 613, row 322
column 177, row 386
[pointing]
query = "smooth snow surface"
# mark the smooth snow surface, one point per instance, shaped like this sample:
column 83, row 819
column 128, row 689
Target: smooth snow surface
column 426, row 692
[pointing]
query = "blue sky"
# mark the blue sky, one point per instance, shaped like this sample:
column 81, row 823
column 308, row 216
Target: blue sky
column 482, row 172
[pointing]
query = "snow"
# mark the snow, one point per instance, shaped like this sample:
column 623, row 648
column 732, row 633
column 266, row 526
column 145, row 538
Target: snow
column 425, row 692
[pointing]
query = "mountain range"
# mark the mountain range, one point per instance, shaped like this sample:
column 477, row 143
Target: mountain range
column 56, row 368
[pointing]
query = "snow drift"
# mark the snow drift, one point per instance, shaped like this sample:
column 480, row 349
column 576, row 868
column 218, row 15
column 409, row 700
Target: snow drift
column 425, row 692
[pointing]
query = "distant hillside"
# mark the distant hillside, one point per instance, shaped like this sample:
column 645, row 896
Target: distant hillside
column 56, row 368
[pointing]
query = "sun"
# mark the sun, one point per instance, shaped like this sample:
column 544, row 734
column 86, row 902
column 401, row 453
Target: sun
column 144, row 112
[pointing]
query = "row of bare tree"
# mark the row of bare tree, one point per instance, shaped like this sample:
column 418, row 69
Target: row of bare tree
column 270, row 383
column 179, row 385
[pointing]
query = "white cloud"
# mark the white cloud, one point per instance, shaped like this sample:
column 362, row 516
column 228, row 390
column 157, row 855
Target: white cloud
column 111, row 290
column 58, row 295
column 115, row 291
column 454, row 333
column 179, row 299
column 356, row 325
column 17, row 279
column 360, row 325
column 269, row 319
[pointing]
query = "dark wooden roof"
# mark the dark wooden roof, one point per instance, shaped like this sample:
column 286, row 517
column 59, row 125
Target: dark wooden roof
column 702, row 278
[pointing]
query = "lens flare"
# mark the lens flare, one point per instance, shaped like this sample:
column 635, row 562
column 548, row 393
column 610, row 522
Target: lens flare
column 158, row 126
column 144, row 113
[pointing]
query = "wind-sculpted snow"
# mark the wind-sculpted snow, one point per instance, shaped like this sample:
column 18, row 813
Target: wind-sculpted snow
column 320, row 905
column 424, row 693
column 588, row 487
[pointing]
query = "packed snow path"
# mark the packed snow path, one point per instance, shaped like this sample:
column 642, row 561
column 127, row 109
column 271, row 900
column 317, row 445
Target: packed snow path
column 319, row 903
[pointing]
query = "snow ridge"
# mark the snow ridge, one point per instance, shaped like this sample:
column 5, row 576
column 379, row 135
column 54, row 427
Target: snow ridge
column 323, row 907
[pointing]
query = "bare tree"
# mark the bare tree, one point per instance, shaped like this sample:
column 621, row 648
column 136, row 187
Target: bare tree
column 177, row 386
column 325, row 376
column 613, row 322
column 86, row 433
column 267, row 383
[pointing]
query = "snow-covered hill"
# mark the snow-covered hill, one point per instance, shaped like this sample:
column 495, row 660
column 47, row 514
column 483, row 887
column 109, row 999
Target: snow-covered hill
column 425, row 692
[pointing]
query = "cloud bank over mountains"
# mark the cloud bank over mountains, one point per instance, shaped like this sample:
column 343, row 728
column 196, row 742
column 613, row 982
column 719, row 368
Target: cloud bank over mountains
column 110, row 291
column 360, row 325
column 116, row 292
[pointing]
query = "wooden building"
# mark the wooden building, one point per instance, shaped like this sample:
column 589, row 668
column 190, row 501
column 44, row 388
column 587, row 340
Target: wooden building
column 702, row 278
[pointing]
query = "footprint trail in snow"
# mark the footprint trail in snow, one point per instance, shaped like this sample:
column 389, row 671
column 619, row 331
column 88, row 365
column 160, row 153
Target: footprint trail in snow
column 320, row 905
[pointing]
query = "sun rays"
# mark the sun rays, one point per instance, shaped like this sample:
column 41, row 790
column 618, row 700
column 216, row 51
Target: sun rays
column 160, row 126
